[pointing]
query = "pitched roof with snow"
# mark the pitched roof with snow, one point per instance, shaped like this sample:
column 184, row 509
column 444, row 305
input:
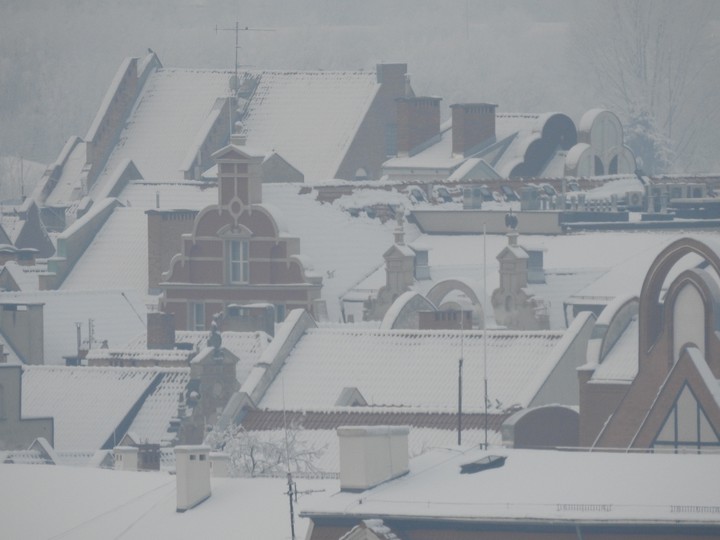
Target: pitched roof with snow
column 111, row 261
column 167, row 116
column 246, row 346
column 310, row 118
column 117, row 316
column 413, row 369
column 542, row 486
column 89, row 403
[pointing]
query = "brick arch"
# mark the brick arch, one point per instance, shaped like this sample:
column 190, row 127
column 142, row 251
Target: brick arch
column 709, row 292
column 441, row 289
column 651, row 314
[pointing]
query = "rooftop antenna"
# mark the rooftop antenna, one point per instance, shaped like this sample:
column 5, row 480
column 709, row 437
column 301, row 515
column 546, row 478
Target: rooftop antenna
column 235, row 82
column 460, row 367
column 485, row 380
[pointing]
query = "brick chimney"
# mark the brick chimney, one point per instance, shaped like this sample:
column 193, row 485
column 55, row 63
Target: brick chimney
column 371, row 455
column 472, row 124
column 160, row 330
column 418, row 119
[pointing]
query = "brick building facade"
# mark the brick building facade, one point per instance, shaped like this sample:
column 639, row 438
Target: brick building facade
column 673, row 402
column 237, row 253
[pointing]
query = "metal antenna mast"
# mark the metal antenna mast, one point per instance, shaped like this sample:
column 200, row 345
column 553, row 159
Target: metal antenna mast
column 237, row 29
column 485, row 332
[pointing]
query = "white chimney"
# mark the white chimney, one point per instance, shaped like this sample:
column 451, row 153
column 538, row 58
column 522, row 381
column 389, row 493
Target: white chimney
column 219, row 464
column 371, row 455
column 192, row 469
column 126, row 458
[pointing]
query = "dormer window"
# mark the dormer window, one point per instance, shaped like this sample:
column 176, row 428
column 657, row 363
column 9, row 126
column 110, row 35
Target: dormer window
column 238, row 260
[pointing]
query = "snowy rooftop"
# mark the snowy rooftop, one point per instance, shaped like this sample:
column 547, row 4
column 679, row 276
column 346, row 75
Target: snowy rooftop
column 415, row 370
column 309, row 118
column 117, row 317
column 141, row 506
column 89, row 403
column 164, row 123
column 175, row 104
column 112, row 260
column 543, row 486
column 612, row 264
column 247, row 346
column 513, row 133
column 25, row 277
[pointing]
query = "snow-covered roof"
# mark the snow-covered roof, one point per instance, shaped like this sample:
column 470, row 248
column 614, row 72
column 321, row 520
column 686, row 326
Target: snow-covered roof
column 187, row 195
column 141, row 506
column 542, row 486
column 25, row 277
column 88, row 403
column 346, row 247
column 612, row 264
column 621, row 362
column 152, row 421
column 413, row 369
column 420, row 440
column 118, row 316
column 112, row 260
column 68, row 185
column 513, row 134
column 166, row 118
column 246, row 346
column 309, row 118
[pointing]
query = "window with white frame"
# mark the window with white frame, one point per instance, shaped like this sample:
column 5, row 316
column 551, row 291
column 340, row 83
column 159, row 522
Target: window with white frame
column 237, row 255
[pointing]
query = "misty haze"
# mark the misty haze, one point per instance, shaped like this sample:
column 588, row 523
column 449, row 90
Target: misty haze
column 377, row 270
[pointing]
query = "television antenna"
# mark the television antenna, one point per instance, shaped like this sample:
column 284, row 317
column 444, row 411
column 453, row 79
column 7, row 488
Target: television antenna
column 237, row 29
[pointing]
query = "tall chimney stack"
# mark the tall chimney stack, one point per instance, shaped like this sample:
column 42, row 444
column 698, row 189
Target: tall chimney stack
column 418, row 120
column 472, row 124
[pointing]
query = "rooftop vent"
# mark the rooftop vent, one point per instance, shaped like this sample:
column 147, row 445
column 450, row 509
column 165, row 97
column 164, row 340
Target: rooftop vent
column 487, row 462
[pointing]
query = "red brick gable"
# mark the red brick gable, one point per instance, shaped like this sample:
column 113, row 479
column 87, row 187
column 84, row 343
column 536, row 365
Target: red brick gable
column 686, row 373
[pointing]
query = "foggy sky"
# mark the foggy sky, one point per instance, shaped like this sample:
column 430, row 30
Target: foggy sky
column 57, row 57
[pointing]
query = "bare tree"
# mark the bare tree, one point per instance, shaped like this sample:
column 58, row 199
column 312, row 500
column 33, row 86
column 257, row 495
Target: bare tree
column 261, row 453
column 654, row 63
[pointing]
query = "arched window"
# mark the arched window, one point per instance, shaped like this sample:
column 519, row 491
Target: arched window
column 613, row 168
column 599, row 169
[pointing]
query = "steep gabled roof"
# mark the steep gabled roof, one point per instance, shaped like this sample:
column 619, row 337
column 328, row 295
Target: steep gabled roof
column 310, row 118
column 88, row 404
column 415, row 370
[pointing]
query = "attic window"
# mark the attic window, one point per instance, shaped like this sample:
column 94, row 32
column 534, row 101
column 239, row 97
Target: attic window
column 487, row 462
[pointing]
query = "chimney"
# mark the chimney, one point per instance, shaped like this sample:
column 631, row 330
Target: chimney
column 126, row 458
column 160, row 330
column 472, row 124
column 192, row 470
column 220, row 464
column 418, row 120
column 21, row 324
column 371, row 455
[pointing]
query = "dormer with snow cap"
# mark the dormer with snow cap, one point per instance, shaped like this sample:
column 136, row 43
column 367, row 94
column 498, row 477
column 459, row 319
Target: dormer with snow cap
column 239, row 175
